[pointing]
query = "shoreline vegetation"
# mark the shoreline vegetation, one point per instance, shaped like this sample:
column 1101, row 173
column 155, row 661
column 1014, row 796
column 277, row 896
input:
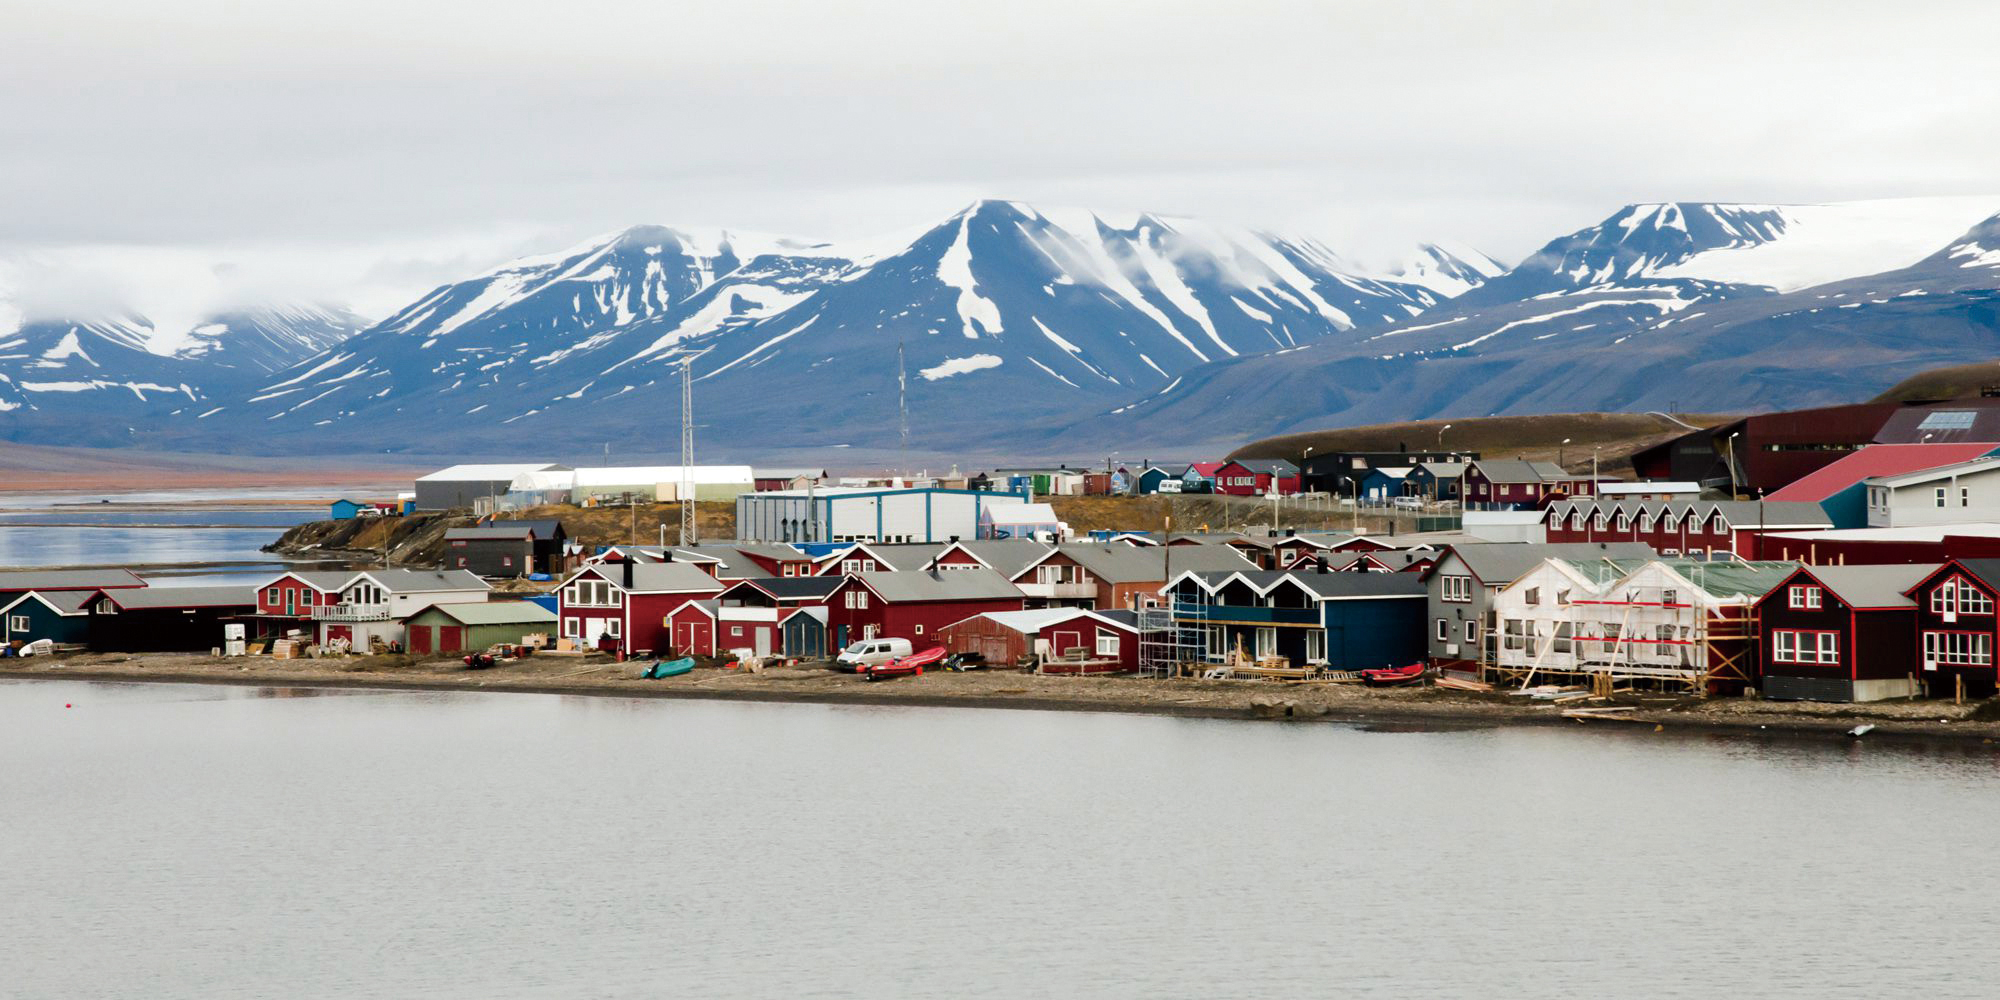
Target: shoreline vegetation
column 1419, row 707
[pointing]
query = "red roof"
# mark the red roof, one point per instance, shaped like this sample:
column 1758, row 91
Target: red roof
column 1208, row 469
column 1880, row 460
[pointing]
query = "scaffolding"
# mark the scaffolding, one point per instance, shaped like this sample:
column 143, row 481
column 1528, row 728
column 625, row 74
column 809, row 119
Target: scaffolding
column 1172, row 638
column 1653, row 627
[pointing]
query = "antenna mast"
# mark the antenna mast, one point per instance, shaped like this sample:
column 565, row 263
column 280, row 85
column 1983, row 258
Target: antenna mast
column 903, row 411
column 687, row 452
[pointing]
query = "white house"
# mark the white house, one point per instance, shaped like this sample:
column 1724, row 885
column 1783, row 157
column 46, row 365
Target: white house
column 1949, row 494
column 376, row 603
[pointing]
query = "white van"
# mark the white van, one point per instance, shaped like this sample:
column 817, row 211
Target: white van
column 871, row 653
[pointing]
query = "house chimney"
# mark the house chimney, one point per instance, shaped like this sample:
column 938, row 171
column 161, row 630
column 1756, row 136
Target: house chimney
column 628, row 574
column 1320, row 561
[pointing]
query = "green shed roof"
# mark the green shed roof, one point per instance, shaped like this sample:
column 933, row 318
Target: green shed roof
column 493, row 613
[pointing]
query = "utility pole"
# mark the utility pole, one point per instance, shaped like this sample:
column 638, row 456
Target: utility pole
column 687, row 452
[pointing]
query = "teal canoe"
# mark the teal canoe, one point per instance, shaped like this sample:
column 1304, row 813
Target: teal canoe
column 670, row 668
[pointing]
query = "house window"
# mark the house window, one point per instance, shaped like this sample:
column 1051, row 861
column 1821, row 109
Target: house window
column 1803, row 598
column 1514, row 633
column 1267, row 642
column 572, row 628
column 1624, row 521
column 861, row 600
column 1609, row 644
column 850, row 599
column 1671, row 598
column 1957, row 649
column 1564, row 633
column 1799, row 646
column 271, row 596
column 504, row 561
column 1316, row 646
column 1107, row 642
column 736, row 631
column 612, row 627
column 1471, row 631
column 1964, row 496
column 1218, row 641
column 1444, row 630
column 1959, row 596
column 17, row 623
column 919, row 630
column 1940, row 496
column 1458, row 589
column 1534, row 595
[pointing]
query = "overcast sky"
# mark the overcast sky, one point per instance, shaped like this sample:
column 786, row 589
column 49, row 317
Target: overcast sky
column 395, row 144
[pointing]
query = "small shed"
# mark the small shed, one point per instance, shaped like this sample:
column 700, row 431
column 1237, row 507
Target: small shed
column 57, row 616
column 456, row 628
column 1003, row 637
column 348, row 510
column 805, row 633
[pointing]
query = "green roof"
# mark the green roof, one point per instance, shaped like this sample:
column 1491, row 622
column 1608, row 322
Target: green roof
column 493, row 613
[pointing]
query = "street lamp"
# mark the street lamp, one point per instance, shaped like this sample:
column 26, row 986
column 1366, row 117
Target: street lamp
column 1559, row 450
column 1441, row 431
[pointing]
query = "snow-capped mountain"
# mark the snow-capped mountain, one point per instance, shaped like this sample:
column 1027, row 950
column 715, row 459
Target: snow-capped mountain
column 1028, row 311
column 1700, row 306
column 76, row 357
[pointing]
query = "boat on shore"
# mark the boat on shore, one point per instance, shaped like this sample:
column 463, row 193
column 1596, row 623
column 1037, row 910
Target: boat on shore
column 1391, row 676
column 669, row 668
column 903, row 666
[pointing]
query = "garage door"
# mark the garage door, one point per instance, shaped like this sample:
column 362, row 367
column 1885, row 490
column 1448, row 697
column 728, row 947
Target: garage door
column 451, row 638
column 420, row 639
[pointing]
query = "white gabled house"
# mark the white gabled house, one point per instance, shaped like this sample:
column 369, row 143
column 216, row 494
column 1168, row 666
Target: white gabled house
column 1949, row 494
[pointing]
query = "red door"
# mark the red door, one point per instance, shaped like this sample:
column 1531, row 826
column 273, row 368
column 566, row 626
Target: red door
column 420, row 639
column 451, row 638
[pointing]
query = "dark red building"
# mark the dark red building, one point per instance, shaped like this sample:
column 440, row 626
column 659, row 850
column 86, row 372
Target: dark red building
column 624, row 607
column 1841, row 633
column 914, row 605
column 1681, row 527
column 1956, row 626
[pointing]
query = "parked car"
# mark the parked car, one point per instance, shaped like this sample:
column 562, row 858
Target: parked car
column 1407, row 503
column 869, row 653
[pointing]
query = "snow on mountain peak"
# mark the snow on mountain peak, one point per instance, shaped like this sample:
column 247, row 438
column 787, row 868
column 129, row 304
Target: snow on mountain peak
column 1789, row 247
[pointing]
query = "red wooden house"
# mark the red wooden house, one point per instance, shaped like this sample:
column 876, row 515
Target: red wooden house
column 1110, row 638
column 1256, row 477
column 1841, row 633
column 623, row 607
column 913, row 605
column 286, row 602
column 1956, row 626
column 748, row 615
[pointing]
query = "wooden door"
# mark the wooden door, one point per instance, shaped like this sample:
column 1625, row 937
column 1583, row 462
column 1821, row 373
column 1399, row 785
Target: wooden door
column 451, row 638
column 420, row 639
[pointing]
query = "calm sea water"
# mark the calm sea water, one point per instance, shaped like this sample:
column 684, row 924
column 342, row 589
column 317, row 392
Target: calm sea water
column 170, row 527
column 188, row 841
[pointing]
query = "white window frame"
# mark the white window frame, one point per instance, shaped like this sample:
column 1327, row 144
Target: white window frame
column 1957, row 649
column 1940, row 493
column 1458, row 589
column 1107, row 642
column 1265, row 641
column 1316, row 646
column 614, row 628
column 572, row 627
column 1471, row 631
column 1444, row 630
column 18, row 623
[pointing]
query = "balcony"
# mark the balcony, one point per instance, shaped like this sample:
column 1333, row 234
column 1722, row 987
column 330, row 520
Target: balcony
column 1057, row 591
column 1246, row 614
column 350, row 612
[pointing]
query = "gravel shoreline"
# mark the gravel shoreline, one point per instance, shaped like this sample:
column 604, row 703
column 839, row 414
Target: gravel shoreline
column 1345, row 703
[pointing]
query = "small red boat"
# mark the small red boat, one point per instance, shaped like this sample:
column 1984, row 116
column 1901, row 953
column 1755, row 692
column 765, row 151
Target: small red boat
column 903, row 666
column 1390, row 676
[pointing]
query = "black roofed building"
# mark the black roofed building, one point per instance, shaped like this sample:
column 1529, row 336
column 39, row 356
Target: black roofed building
column 507, row 548
column 166, row 619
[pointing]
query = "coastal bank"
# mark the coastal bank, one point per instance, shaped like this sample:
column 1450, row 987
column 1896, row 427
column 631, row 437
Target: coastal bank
column 1975, row 723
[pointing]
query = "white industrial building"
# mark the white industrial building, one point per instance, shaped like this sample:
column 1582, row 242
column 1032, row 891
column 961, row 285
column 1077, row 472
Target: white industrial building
column 839, row 514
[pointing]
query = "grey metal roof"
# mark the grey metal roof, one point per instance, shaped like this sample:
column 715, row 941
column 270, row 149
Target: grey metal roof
column 1335, row 586
column 906, row 555
column 1119, row 563
column 419, row 581
column 150, row 598
column 537, row 527
column 68, row 579
column 978, row 584
column 1442, row 470
column 1511, row 470
column 1498, row 564
column 1008, row 556
column 795, row 588
column 494, row 613
column 484, row 534
column 325, row 581
column 63, row 602
column 1873, row 586
column 658, row 578
column 1269, row 466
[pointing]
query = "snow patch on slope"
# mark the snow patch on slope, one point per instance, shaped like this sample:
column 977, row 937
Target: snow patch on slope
column 960, row 366
column 1825, row 243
